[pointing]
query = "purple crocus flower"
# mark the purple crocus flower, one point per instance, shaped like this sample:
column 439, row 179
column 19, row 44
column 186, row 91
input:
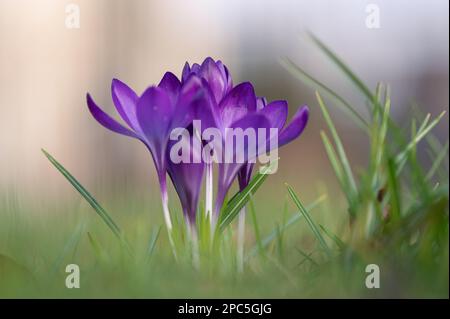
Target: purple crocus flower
column 187, row 179
column 242, row 103
column 215, row 74
column 231, row 107
column 216, row 79
column 228, row 107
column 223, row 109
column 277, row 112
column 236, row 110
column 150, row 118
column 205, row 93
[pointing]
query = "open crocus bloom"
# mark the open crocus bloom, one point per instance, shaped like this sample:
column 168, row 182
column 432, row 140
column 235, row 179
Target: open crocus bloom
column 187, row 179
column 215, row 74
column 231, row 107
column 205, row 93
column 150, row 118
column 277, row 112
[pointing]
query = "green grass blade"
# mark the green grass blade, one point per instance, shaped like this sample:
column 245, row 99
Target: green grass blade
column 402, row 156
column 152, row 244
column 310, row 222
column 291, row 221
column 90, row 199
column 421, row 189
column 97, row 248
column 303, row 76
column 356, row 81
column 435, row 150
column 376, row 100
column 259, row 243
column 332, row 157
column 279, row 242
column 425, row 122
column 394, row 190
column 385, row 122
column 306, row 257
column 434, row 144
column 70, row 245
column 343, row 67
column 333, row 237
column 380, row 129
column 438, row 161
column 233, row 208
column 350, row 180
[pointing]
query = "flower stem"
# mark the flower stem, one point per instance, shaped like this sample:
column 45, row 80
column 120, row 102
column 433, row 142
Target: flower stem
column 220, row 199
column 167, row 219
column 209, row 192
column 241, row 240
column 192, row 234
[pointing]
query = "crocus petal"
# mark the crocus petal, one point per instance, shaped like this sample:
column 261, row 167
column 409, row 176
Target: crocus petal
column 228, row 171
column 195, row 102
column 204, row 110
column 154, row 112
column 214, row 73
column 261, row 102
column 208, row 113
column 195, row 68
column 191, row 85
column 253, row 121
column 276, row 112
column 237, row 103
column 226, row 74
column 186, row 72
column 187, row 179
column 244, row 175
column 295, row 127
column 171, row 85
column 107, row 121
column 215, row 78
column 125, row 100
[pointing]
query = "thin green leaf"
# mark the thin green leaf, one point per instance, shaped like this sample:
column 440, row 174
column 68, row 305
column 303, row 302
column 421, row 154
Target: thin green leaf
column 233, row 208
column 438, row 161
column 259, row 243
column 90, row 199
column 98, row 250
column 340, row 148
column 402, row 156
column 344, row 68
column 394, row 190
column 152, row 244
column 434, row 144
column 310, row 222
column 291, row 221
column 317, row 85
column 333, row 237
column 376, row 100
column 424, row 123
column 279, row 241
column 335, row 163
column 378, row 143
column 70, row 245
column 306, row 257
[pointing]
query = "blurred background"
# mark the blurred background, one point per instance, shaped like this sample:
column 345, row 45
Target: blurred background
column 46, row 69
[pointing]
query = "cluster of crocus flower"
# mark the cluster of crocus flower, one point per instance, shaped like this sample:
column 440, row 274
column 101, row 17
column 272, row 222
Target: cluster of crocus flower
column 205, row 92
